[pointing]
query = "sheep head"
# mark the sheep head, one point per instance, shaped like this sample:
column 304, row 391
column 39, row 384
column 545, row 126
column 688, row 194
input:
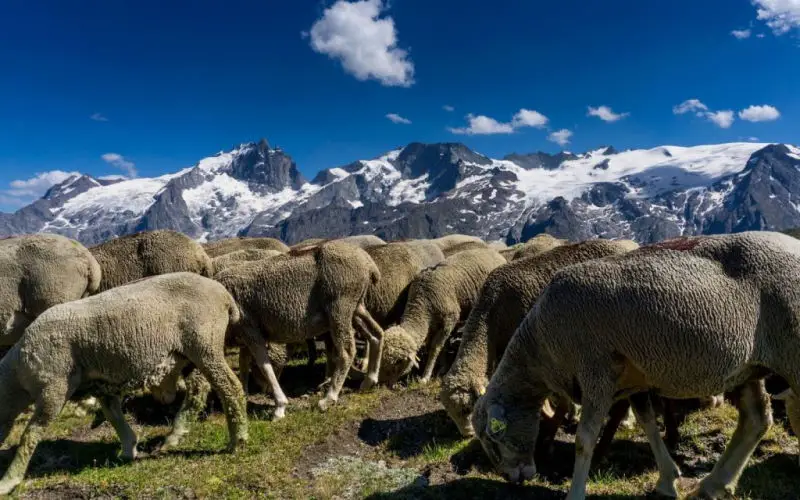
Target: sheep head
column 508, row 435
column 459, row 402
column 399, row 355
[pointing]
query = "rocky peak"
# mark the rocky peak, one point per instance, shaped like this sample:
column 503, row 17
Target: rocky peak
column 265, row 168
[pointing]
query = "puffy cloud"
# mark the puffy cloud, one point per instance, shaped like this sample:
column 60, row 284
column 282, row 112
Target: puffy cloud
column 741, row 34
column 529, row 118
column 98, row 117
column 483, row 125
column 606, row 114
column 722, row 119
column 119, row 161
column 560, row 137
column 448, row 108
column 355, row 34
column 395, row 118
column 24, row 191
column 780, row 15
column 763, row 113
column 688, row 106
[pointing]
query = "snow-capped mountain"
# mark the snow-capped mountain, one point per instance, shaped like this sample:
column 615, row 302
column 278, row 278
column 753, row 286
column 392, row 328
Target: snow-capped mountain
column 427, row 190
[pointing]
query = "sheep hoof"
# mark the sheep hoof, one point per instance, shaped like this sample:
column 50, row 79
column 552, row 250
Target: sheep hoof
column 368, row 383
column 667, row 489
column 8, row 485
column 424, row 380
column 326, row 403
column 129, row 456
column 280, row 412
column 706, row 490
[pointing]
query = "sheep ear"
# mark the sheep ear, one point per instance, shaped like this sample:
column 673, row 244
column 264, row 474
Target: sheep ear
column 783, row 396
column 496, row 425
column 547, row 409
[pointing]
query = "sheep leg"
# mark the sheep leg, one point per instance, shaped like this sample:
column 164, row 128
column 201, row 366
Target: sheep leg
column 261, row 357
column 593, row 413
column 197, row 389
column 225, row 384
column 311, row 344
column 48, row 406
column 671, row 425
column 245, row 358
column 344, row 349
column 435, row 347
column 112, row 409
column 667, row 468
column 755, row 419
column 374, row 352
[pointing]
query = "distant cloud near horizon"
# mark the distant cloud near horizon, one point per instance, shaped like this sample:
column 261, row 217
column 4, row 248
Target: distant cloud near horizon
column 606, row 114
column 448, row 108
column 24, row 191
column 395, row 118
column 118, row 161
column 560, row 137
column 355, row 34
column 98, row 117
column 722, row 119
column 485, row 125
column 765, row 113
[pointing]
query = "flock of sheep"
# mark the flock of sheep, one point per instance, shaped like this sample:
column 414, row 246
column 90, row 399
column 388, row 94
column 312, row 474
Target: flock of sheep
column 543, row 326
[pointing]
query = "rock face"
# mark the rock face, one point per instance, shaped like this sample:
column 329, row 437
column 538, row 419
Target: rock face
column 429, row 190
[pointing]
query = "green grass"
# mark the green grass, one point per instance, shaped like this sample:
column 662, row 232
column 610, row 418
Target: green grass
column 381, row 444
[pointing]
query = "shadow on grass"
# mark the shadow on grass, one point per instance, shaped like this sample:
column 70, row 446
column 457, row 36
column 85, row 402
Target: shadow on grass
column 477, row 488
column 408, row 437
column 774, row 478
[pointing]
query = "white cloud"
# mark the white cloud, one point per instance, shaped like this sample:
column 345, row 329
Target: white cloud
column 27, row 190
column 395, row 118
column 98, row 117
column 119, row 161
column 483, row 125
column 763, row 113
column 529, row 118
column 741, row 34
column 780, row 15
column 690, row 105
column 364, row 42
column 560, row 137
column 606, row 114
column 752, row 139
column 448, row 108
column 722, row 119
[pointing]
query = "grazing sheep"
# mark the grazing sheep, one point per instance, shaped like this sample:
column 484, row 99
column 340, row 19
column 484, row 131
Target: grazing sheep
column 399, row 265
column 363, row 241
column 438, row 299
column 451, row 240
column 466, row 246
column 150, row 253
column 144, row 334
column 228, row 245
column 688, row 318
column 430, row 252
column 36, row 273
column 309, row 242
column 537, row 245
column 304, row 295
column 506, row 297
column 497, row 245
column 238, row 256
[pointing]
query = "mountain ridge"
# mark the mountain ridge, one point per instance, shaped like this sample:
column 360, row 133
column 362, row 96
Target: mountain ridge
column 427, row 190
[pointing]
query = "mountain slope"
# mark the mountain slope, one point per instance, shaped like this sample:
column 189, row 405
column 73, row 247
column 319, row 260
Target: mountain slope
column 427, row 190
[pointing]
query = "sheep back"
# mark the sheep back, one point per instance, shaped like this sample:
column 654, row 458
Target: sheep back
column 228, row 245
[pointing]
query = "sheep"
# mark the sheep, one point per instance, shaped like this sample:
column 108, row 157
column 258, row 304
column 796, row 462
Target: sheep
column 363, row 241
column 142, row 334
column 309, row 242
column 38, row 272
column 451, row 240
column 150, row 253
column 236, row 257
column 463, row 247
column 228, row 245
column 691, row 317
column 301, row 296
column 430, row 252
column 438, row 299
column 505, row 299
column 538, row 244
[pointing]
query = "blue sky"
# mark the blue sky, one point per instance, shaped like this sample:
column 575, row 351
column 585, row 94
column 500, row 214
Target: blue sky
column 149, row 87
